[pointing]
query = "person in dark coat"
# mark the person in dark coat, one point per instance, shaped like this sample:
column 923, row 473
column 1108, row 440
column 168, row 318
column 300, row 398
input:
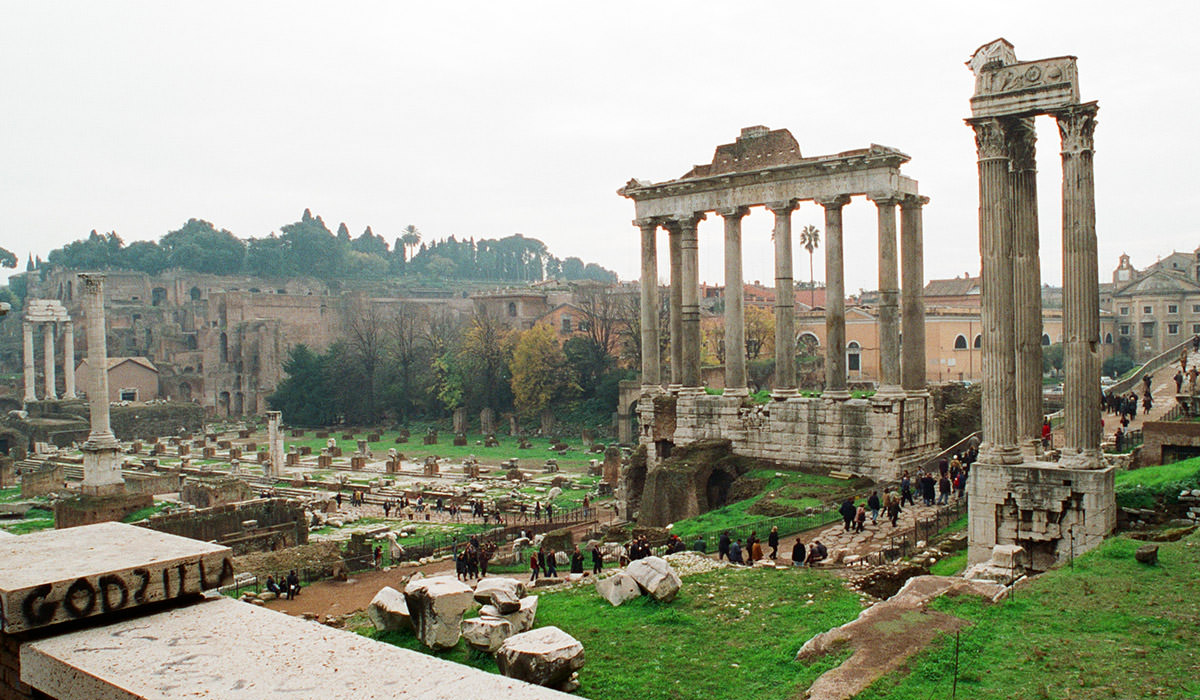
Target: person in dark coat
column 798, row 553
column 906, row 491
column 293, row 584
column 893, row 509
column 943, row 491
column 735, row 552
column 577, row 561
column 874, row 504
column 701, row 546
column 597, row 560
column 551, row 563
column 847, row 510
column 534, row 567
column 816, row 553
column 723, row 546
column 773, row 541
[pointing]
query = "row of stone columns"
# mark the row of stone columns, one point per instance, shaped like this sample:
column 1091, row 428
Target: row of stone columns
column 1012, row 310
column 48, row 333
column 897, row 374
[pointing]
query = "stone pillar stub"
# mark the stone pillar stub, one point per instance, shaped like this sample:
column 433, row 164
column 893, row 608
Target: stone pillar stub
column 889, row 294
column 27, row 361
column 912, row 300
column 69, row 360
column 735, row 307
column 995, row 246
column 835, row 299
column 651, row 376
column 275, row 442
column 101, row 452
column 690, row 306
column 675, row 302
column 785, row 302
column 1081, row 293
column 1021, row 137
column 48, row 359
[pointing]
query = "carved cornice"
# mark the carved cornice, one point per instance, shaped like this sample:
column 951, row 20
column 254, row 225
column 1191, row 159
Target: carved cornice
column 836, row 201
column 733, row 212
column 913, row 201
column 93, row 282
column 783, row 208
column 990, row 143
column 885, row 199
column 688, row 222
column 1022, row 143
column 1077, row 127
column 651, row 223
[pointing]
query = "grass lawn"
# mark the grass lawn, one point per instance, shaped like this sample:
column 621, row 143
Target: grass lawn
column 413, row 449
column 1109, row 628
column 1141, row 488
column 951, row 565
column 796, row 489
column 36, row 519
column 739, row 643
column 145, row 512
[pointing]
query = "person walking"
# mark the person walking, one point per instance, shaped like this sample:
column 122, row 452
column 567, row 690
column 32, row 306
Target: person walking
column 597, row 560
column 773, row 541
column 943, row 491
column 534, row 567
column 577, row 561
column 906, row 490
column 723, row 547
column 756, row 551
column 551, row 563
column 860, row 518
column 847, row 511
column 798, row 553
column 893, row 509
column 874, row 505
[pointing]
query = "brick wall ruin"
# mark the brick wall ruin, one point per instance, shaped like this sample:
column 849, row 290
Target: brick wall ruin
column 278, row 522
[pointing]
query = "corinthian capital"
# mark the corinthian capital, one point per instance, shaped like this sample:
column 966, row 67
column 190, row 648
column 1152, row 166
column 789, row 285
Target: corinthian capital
column 836, row 201
column 1077, row 126
column 1022, row 143
column 733, row 212
column 687, row 222
column 783, row 208
column 989, row 138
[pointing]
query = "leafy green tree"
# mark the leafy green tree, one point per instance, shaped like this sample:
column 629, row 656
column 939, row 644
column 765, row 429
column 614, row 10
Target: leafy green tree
column 96, row 252
column 539, row 372
column 310, row 248
column 200, row 246
column 1117, row 365
column 810, row 238
column 370, row 244
column 303, row 396
column 7, row 259
column 1052, row 359
column 483, row 360
column 410, row 237
column 266, row 257
column 145, row 256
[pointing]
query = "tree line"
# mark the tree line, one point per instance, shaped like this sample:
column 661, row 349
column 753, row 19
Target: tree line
column 409, row 362
column 308, row 248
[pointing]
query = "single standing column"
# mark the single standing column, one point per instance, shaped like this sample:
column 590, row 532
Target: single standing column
column 48, row 337
column 1081, row 291
column 675, row 302
column 785, row 302
column 69, row 360
column 275, row 442
column 995, row 247
column 1027, row 284
column 690, row 308
column 735, row 305
column 649, row 302
column 101, row 452
column 27, row 359
column 889, row 296
column 912, row 301
column 835, row 300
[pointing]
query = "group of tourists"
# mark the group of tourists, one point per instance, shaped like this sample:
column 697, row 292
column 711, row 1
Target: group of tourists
column 538, row 511
column 544, row 562
column 285, row 586
column 472, row 561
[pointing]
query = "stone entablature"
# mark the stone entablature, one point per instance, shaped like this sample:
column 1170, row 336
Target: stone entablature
column 877, row 438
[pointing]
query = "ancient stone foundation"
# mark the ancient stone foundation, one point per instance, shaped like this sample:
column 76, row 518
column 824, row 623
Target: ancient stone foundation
column 877, row 438
column 1054, row 513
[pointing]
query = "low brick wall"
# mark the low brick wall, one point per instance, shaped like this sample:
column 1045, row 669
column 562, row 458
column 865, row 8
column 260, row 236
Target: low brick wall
column 153, row 484
column 279, row 519
column 141, row 420
column 209, row 493
column 1168, row 440
column 87, row 510
column 43, row 481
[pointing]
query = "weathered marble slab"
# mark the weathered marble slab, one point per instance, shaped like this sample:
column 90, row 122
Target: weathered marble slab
column 60, row 575
column 191, row 652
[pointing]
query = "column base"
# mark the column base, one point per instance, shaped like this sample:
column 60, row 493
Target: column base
column 739, row 391
column 890, row 391
column 674, row 389
column 1000, row 454
column 30, row 398
column 1075, row 458
column 1031, row 450
column 691, row 391
column 652, row 389
column 923, row 392
column 836, row 394
column 785, row 393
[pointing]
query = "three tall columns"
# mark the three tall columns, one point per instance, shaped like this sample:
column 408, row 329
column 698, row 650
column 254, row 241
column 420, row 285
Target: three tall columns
column 49, row 371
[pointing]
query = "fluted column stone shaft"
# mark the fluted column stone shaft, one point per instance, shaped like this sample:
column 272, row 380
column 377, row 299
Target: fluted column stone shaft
column 912, row 301
column 995, row 247
column 1081, row 292
column 97, row 359
column 649, row 302
column 735, row 306
column 48, row 359
column 69, row 360
column 785, row 302
column 835, row 300
column 1027, row 283
column 27, row 361
column 675, row 302
column 889, row 296
column 690, row 308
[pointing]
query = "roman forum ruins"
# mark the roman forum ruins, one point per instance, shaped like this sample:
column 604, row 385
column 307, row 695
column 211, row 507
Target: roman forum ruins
column 102, row 451
column 1017, row 494
column 49, row 314
column 879, row 437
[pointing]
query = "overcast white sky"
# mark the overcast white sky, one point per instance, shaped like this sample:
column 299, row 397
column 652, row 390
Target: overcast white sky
column 485, row 119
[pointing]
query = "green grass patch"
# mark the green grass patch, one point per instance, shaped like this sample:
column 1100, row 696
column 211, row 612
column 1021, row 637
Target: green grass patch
column 36, row 519
column 1146, row 487
column 728, row 635
column 950, row 566
column 1109, row 628
column 145, row 512
column 9, row 495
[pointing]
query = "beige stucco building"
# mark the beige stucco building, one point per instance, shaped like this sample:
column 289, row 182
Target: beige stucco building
column 129, row 378
column 1155, row 308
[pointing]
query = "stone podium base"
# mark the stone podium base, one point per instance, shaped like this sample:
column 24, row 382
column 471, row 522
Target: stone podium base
column 1054, row 513
column 87, row 510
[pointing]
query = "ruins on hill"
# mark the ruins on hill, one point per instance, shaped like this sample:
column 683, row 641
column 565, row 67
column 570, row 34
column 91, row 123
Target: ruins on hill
column 1018, row 494
column 879, row 437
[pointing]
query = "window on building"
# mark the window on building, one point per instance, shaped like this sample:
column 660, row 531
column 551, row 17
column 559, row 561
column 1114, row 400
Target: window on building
column 853, row 359
column 1147, row 310
column 1108, row 338
column 1125, row 329
column 1148, row 330
column 978, row 342
column 512, row 309
column 1172, row 308
column 1196, row 308
column 1172, row 329
column 1124, row 310
column 1196, row 328
column 129, row 394
column 960, row 342
column 566, row 324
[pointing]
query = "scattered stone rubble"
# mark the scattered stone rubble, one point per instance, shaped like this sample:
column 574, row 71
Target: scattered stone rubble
column 545, row 656
column 436, row 606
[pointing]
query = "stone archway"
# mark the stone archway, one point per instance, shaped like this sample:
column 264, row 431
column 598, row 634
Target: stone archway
column 223, row 403
column 716, row 488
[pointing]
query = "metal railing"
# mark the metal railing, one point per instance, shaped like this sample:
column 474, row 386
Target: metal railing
column 787, row 524
column 904, row 543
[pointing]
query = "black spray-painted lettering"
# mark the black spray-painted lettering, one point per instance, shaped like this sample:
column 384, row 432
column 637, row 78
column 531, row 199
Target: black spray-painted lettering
column 71, row 604
column 39, row 613
column 107, row 583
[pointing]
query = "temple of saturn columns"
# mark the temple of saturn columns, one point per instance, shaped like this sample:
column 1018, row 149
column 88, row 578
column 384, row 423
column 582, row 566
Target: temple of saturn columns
column 878, row 437
column 50, row 314
column 1018, row 495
